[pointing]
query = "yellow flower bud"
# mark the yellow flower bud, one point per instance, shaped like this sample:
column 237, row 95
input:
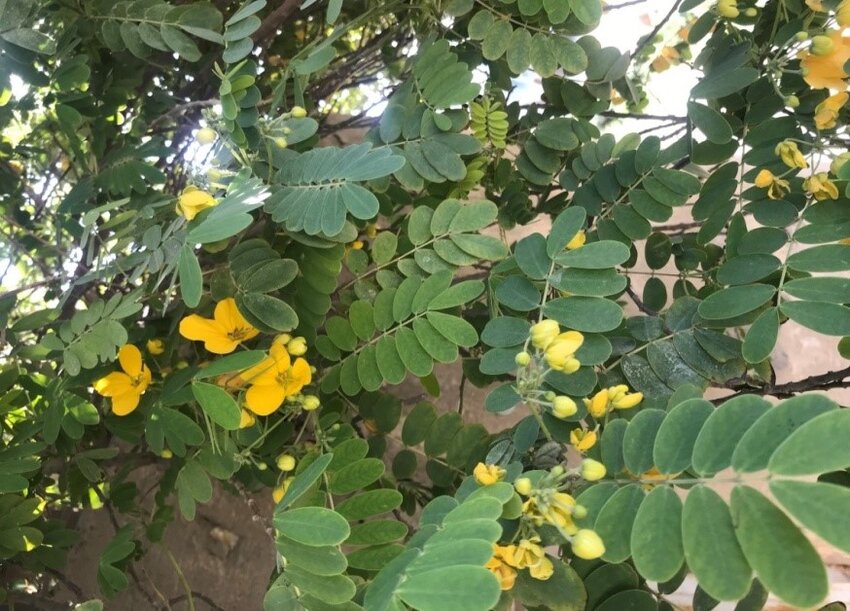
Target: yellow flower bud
column 286, row 462
column 727, row 9
column 297, row 346
column 579, row 512
column 281, row 142
column 792, row 101
column 592, row 470
column 801, row 36
column 488, row 474
column 628, row 401
column 560, row 353
column 587, row 545
column 543, row 333
column 166, row 453
column 310, row 403
column 822, row 45
column 155, row 346
column 280, row 490
column 522, row 359
column 298, row 112
column 523, row 486
column 563, row 407
column 790, row 154
column 751, row 12
column 205, row 135
column 246, row 419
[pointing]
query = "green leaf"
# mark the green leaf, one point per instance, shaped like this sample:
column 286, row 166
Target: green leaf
column 819, row 316
column 519, row 50
column 314, row 526
column 826, row 258
column 589, row 12
column 588, row 314
column 266, row 311
column 757, row 445
column 370, row 503
column 710, row 122
column 218, row 405
column 356, row 475
column 596, row 255
column 656, row 540
column 496, row 39
column 711, row 548
column 615, row 521
column 505, row 331
column 417, row 424
column 564, row 228
column 376, row 532
column 761, row 337
column 191, row 280
column 784, row 560
column 734, row 301
column 724, row 82
column 230, row 363
column 269, row 276
column 746, row 269
column 832, row 290
column 462, row 293
column 531, row 256
column 677, row 435
column 305, row 480
column 453, row 329
column 721, row 433
column 820, row 507
column 563, row 591
column 634, row 600
column 451, row 588
column 325, row 560
column 639, row 440
column 814, row 448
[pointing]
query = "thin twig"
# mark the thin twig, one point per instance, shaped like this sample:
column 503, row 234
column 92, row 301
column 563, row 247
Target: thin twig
column 824, row 381
column 648, row 39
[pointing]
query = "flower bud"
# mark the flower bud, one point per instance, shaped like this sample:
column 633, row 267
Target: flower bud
column 286, row 462
column 522, row 359
column 155, row 346
column 298, row 112
column 166, row 453
column 592, row 470
column 205, row 135
column 297, row 346
column 563, row 407
column 523, row 486
column 281, row 142
column 587, row 544
column 544, row 333
column 579, row 512
column 311, row 402
column 801, row 36
column 822, row 45
column 557, row 471
column 792, row 101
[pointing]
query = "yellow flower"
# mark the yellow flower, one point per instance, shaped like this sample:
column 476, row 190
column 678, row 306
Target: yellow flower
column 776, row 187
column 728, row 8
column 192, row 201
column 582, row 440
column 592, row 470
column 554, row 508
column 826, row 113
column 563, row 407
column 827, row 71
column 544, row 333
column 155, row 346
column 529, row 554
column 577, row 241
column 221, row 334
column 371, row 230
column 246, row 419
column 790, row 154
column 505, row 573
column 273, row 379
column 488, row 474
column 125, row 388
column 820, row 186
column 587, row 544
column 598, row 405
column 560, row 354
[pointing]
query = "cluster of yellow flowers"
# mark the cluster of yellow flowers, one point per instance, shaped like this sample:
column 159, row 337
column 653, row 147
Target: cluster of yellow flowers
column 527, row 554
column 544, row 503
column 818, row 185
column 558, row 348
column 277, row 378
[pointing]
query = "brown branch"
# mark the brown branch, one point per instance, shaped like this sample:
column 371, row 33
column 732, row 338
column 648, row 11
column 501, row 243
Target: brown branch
column 177, row 599
column 648, row 39
column 824, row 381
column 639, row 302
column 274, row 20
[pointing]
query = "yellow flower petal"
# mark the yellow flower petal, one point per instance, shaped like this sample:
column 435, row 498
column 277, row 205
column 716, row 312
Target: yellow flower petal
column 130, row 358
column 297, row 377
column 114, row 384
column 263, row 400
column 126, row 403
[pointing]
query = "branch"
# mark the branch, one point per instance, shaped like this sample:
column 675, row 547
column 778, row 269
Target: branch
column 639, row 302
column 636, row 115
column 274, row 20
column 646, row 40
column 824, row 381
